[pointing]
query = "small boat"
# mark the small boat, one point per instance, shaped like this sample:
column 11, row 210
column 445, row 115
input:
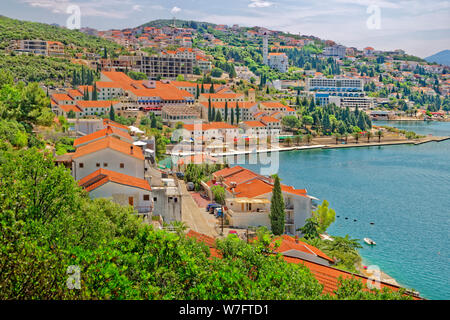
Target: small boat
column 369, row 241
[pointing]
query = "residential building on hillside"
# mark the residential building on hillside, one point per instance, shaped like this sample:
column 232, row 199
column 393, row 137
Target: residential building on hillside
column 248, row 196
column 123, row 189
column 335, row 51
column 166, row 66
column 278, row 61
column 108, row 153
column 41, row 47
column 173, row 114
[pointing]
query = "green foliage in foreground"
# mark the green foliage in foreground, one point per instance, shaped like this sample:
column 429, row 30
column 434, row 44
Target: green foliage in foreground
column 48, row 223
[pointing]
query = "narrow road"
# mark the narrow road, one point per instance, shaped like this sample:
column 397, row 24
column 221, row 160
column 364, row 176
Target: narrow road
column 194, row 216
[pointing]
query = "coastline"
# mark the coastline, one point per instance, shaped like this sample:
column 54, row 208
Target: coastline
column 384, row 277
column 319, row 146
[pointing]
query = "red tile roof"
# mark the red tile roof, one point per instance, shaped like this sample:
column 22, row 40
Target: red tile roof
column 267, row 119
column 102, row 176
column 230, row 104
column 107, row 122
column 254, row 124
column 96, row 103
column 69, row 107
column 326, row 275
column 111, row 143
column 102, row 133
column 61, row 97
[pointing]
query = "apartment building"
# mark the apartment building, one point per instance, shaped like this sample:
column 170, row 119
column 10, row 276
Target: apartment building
column 248, row 196
column 46, row 48
column 278, row 61
column 166, row 66
column 335, row 51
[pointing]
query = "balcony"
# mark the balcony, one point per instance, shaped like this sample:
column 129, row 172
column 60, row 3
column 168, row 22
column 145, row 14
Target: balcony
column 143, row 209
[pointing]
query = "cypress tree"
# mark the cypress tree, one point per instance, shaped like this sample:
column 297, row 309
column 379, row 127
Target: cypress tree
column 226, row 111
column 237, row 113
column 94, row 92
column 153, row 122
column 213, row 114
column 209, row 109
column 112, row 115
column 232, row 116
column 203, row 89
column 197, row 93
column 218, row 116
column 277, row 214
column 211, row 89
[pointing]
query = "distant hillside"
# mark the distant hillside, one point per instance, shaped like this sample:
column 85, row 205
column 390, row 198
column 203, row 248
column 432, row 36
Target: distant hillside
column 442, row 57
column 12, row 29
column 179, row 23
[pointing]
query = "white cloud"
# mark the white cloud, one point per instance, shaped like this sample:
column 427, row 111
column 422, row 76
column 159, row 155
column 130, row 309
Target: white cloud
column 260, row 4
column 175, row 10
column 137, row 7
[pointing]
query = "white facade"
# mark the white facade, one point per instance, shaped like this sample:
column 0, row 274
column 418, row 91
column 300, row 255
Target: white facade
column 108, row 159
column 124, row 195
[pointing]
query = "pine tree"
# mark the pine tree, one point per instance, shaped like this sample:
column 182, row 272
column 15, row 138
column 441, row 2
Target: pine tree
column 226, row 111
column 277, row 213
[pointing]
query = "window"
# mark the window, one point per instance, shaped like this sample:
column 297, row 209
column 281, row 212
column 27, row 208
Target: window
column 146, row 197
column 81, row 165
column 122, row 165
column 155, row 199
column 105, row 164
column 97, row 164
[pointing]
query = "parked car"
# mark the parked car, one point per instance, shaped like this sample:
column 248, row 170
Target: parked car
column 211, row 206
column 190, row 186
column 180, row 175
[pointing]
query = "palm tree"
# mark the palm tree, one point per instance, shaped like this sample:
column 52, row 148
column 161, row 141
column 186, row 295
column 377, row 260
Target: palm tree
column 379, row 134
column 368, row 135
column 297, row 139
column 356, row 136
column 345, row 135
column 308, row 138
column 288, row 142
column 337, row 136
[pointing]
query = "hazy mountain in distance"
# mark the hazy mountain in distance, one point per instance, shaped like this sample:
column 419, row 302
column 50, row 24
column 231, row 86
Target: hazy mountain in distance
column 442, row 57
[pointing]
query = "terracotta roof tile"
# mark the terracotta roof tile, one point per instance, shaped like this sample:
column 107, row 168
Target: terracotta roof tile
column 108, row 131
column 111, row 143
column 102, row 176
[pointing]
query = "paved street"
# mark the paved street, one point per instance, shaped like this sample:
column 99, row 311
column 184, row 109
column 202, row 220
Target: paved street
column 196, row 218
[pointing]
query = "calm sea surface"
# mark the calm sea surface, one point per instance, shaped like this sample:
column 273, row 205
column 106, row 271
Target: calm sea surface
column 404, row 190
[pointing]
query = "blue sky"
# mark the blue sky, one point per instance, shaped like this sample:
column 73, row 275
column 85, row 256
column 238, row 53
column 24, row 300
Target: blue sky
column 420, row 27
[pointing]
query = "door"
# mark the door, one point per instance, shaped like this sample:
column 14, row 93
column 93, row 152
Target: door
column 131, row 201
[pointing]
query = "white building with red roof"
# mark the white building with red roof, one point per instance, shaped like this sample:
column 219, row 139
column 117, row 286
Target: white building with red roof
column 248, row 196
column 121, row 188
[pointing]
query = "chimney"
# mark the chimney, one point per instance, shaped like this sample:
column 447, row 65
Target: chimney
column 131, row 150
column 296, row 239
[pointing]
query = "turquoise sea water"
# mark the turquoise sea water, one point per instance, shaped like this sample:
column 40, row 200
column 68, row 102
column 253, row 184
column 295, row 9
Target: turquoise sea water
column 404, row 190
